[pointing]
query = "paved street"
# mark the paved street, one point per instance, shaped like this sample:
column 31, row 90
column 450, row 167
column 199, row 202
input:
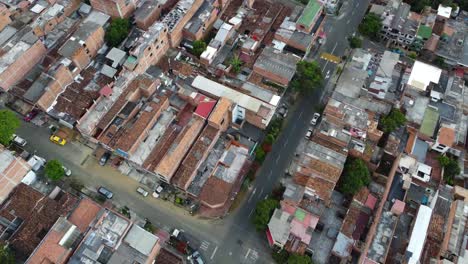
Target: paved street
column 229, row 240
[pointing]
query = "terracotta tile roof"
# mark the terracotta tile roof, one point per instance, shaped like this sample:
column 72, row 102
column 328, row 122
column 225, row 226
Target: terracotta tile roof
column 361, row 196
column 162, row 147
column 179, row 148
column 38, row 213
column 205, row 107
column 446, row 136
column 349, row 222
column 323, row 140
column 140, row 81
column 84, row 214
column 148, row 116
column 12, row 175
column 371, row 201
column 315, row 168
column 322, row 188
column 197, row 154
column 221, row 108
column 215, row 191
column 167, row 257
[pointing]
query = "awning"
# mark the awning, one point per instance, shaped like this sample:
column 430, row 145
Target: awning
column 270, row 238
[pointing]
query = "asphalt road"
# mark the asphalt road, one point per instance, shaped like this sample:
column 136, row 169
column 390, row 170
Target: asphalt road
column 232, row 239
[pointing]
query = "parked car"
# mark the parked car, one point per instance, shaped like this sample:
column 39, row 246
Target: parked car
column 315, row 118
column 142, row 191
column 308, row 134
column 157, row 191
column 31, row 115
column 58, row 140
column 195, row 258
column 105, row 192
column 19, row 141
column 176, row 232
column 67, row 171
column 283, row 112
column 104, row 158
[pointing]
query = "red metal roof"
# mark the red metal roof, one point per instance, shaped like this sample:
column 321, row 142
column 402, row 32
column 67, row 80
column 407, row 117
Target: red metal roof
column 371, row 201
column 204, row 108
column 106, row 91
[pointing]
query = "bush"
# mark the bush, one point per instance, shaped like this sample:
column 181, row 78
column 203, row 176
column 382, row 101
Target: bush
column 199, row 46
column 149, row 227
column 355, row 176
column 263, row 213
column 370, row 26
column 393, row 120
column 451, row 168
column 236, row 64
column 413, row 55
column 125, row 211
column 54, row 170
column 355, row 42
column 8, row 125
column 6, row 255
column 117, row 31
column 299, row 259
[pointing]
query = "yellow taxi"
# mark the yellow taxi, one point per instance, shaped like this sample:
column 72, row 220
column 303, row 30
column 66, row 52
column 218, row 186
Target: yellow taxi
column 58, row 140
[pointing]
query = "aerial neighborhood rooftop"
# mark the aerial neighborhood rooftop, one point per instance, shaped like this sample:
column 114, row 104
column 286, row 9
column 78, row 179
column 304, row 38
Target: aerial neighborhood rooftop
column 327, row 143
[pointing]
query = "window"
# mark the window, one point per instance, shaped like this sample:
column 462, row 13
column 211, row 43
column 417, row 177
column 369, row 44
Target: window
column 222, row 121
column 157, row 47
column 151, row 54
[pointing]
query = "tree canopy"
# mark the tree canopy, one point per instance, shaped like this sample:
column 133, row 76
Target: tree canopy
column 393, row 120
column 418, row 5
column 355, row 42
column 307, row 78
column 355, row 176
column 8, row 125
column 299, row 259
column 199, row 46
column 370, row 26
column 236, row 64
column 117, row 31
column 54, row 170
column 263, row 213
column 451, row 168
column 6, row 255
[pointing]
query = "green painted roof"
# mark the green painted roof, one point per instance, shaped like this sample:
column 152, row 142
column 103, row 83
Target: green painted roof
column 310, row 12
column 424, row 31
column 429, row 123
column 300, row 214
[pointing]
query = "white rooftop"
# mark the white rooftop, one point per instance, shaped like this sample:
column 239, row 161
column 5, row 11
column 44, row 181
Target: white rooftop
column 422, row 74
column 141, row 240
column 444, row 11
column 418, row 236
column 13, row 54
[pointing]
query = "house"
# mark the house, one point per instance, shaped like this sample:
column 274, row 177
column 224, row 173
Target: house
column 201, row 21
column 115, row 8
column 148, row 13
column 306, row 22
column 58, row 245
column 399, row 26
column 18, row 59
column 149, row 48
column 383, row 78
column 13, row 171
column 422, row 75
column 445, row 138
column 27, row 215
column 84, row 44
column 276, row 66
column 246, row 108
column 178, row 17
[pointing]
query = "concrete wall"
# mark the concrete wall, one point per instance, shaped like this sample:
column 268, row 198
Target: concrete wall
column 85, row 54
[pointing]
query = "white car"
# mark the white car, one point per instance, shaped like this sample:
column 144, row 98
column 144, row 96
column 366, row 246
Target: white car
column 157, row 191
column 19, row 141
column 142, row 191
column 67, row 171
column 308, row 134
column 314, row 120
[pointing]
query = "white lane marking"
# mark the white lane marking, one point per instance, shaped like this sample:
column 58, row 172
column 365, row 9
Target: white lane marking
column 347, row 22
column 251, row 211
column 269, row 175
column 253, row 193
column 300, row 114
column 357, row 5
column 279, row 156
column 285, row 142
column 214, row 252
column 247, row 254
column 204, row 246
column 261, row 191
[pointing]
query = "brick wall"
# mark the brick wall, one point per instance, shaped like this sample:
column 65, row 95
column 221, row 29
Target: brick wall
column 18, row 69
column 271, row 76
column 4, row 17
column 153, row 53
column 85, row 54
column 176, row 34
column 254, row 119
column 145, row 23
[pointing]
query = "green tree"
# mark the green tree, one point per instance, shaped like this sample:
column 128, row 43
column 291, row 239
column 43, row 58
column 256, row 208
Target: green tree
column 299, row 259
column 440, row 62
column 263, row 213
column 280, row 257
column 355, row 176
column 199, row 46
column 54, row 170
column 418, row 5
column 6, row 255
column 307, row 78
column 370, row 26
column 149, row 227
column 117, row 31
column 413, row 55
column 305, row 2
column 260, row 154
column 393, row 120
column 8, row 125
column 236, row 64
column 451, row 168
column 355, row 42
